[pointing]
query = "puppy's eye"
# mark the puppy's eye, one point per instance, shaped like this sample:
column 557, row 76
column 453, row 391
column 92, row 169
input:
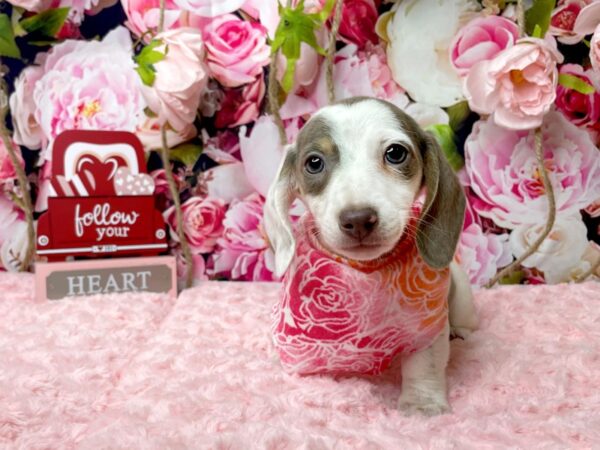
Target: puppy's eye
column 314, row 164
column 396, row 154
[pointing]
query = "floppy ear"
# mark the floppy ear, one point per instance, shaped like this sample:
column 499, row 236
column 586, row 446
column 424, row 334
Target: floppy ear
column 442, row 217
column 277, row 222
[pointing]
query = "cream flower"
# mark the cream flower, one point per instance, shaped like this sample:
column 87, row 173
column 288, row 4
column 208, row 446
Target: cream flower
column 560, row 252
column 419, row 34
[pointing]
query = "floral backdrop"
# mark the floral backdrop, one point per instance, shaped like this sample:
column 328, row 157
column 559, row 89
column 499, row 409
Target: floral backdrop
column 480, row 75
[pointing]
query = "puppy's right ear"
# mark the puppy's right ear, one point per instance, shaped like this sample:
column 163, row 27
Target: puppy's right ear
column 277, row 222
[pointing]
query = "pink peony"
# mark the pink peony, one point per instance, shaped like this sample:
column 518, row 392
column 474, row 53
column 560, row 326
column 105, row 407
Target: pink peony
column 517, row 86
column 202, row 222
column 241, row 105
column 594, row 209
column 237, row 50
column 562, row 22
column 34, row 5
column 22, row 106
column 480, row 40
column 356, row 73
column 358, row 22
column 595, row 49
column 588, row 22
column 180, row 78
column 243, row 252
column 89, row 85
column 582, row 110
column 481, row 255
column 222, row 147
column 210, row 8
column 503, row 172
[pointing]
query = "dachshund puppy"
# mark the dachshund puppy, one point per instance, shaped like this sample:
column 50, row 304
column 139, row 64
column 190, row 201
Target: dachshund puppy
column 369, row 269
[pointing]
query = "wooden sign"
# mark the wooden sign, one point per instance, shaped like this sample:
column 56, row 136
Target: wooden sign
column 101, row 199
column 106, row 276
column 101, row 206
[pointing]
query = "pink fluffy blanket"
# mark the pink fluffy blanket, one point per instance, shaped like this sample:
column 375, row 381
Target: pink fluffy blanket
column 142, row 371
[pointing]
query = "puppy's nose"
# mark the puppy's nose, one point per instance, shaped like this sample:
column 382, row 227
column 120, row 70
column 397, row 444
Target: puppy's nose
column 358, row 223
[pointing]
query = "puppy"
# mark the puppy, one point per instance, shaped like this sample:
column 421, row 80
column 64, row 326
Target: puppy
column 370, row 270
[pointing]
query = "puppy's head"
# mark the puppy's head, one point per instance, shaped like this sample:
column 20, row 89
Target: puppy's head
column 358, row 166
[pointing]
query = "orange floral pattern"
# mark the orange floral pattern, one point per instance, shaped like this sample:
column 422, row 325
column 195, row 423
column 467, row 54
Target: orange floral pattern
column 342, row 316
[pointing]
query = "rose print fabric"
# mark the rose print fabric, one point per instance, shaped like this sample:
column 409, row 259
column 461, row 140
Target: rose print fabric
column 342, row 316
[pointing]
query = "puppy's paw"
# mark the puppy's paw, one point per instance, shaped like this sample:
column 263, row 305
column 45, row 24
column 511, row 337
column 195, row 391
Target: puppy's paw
column 412, row 405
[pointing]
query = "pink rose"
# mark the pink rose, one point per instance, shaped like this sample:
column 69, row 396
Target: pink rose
column 241, row 105
column 503, row 172
column 89, row 85
column 202, row 222
column 210, row 8
column 7, row 169
column 562, row 22
column 481, row 254
column 180, row 78
column 150, row 134
column 22, row 106
column 517, row 86
column 199, row 269
column 480, row 40
column 237, row 50
column 358, row 22
column 143, row 15
column 582, row 110
column 243, row 252
column 162, row 193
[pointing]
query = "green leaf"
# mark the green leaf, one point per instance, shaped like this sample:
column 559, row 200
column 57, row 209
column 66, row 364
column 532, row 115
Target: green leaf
column 575, row 83
column 47, row 23
column 146, row 60
column 296, row 27
column 458, row 113
column 445, row 137
column 17, row 13
column 514, row 278
column 187, row 154
column 8, row 46
column 539, row 14
column 537, row 31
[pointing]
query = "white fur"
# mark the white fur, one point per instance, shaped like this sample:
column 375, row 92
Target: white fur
column 362, row 133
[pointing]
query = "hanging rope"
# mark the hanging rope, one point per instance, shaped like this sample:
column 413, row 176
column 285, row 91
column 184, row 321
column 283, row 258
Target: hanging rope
column 335, row 27
column 548, row 189
column 25, row 199
column 274, row 91
column 164, row 154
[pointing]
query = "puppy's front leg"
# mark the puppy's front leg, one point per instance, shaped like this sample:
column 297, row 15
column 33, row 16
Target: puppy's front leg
column 424, row 379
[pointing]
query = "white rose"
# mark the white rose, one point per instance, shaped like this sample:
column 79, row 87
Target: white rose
column 560, row 252
column 419, row 33
column 426, row 115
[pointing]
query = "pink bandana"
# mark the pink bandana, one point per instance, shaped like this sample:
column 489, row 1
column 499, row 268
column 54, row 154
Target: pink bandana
column 342, row 316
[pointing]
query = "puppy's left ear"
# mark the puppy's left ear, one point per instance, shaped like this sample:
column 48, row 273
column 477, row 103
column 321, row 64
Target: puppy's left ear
column 277, row 222
column 443, row 214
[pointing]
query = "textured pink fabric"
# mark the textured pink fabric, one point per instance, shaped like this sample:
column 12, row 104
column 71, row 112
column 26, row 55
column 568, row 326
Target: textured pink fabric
column 342, row 316
column 141, row 372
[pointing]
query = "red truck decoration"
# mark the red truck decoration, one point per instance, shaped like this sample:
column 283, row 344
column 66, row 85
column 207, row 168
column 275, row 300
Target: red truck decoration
column 101, row 201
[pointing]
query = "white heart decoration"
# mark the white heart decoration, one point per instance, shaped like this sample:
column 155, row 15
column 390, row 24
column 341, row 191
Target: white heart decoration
column 126, row 183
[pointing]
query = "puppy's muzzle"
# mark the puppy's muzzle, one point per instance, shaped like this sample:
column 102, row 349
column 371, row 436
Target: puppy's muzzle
column 358, row 223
